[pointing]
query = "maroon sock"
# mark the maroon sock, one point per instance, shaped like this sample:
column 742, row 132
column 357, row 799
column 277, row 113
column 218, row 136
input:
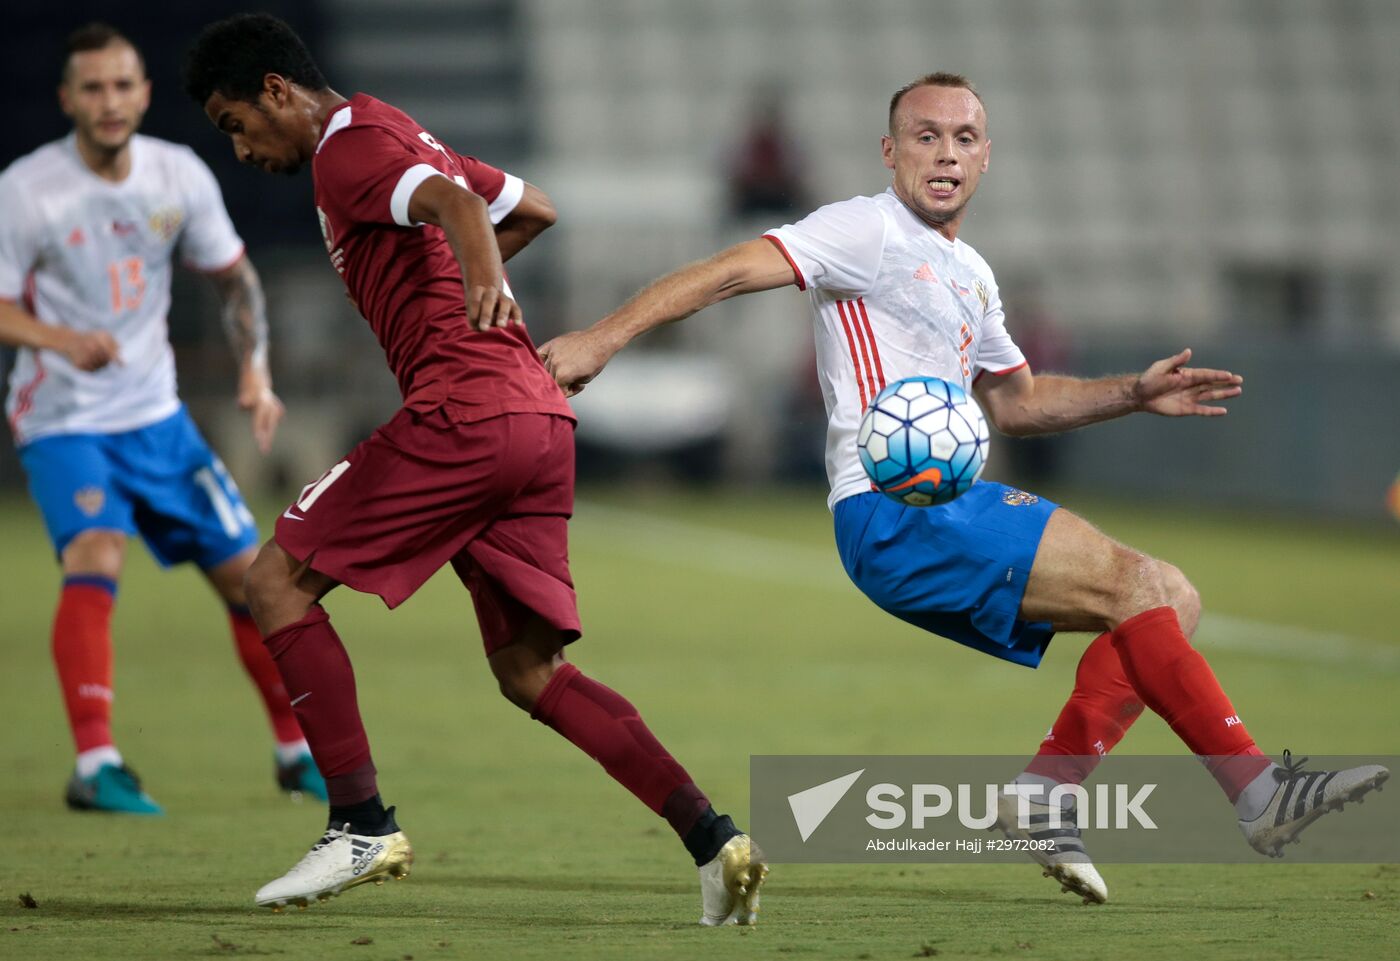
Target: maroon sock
column 1176, row 682
column 606, row 727
column 321, row 685
column 1098, row 713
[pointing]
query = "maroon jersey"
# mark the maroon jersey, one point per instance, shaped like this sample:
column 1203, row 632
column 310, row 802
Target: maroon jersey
column 404, row 277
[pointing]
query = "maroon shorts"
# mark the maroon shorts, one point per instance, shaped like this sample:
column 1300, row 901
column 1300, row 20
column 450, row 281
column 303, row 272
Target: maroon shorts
column 493, row 497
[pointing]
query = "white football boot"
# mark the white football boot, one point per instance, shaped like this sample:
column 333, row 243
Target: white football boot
column 729, row 884
column 1064, row 857
column 1304, row 796
column 340, row 860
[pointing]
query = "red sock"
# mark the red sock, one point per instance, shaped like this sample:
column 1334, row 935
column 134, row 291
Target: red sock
column 1098, row 713
column 82, row 652
column 321, row 682
column 1176, row 682
column 606, row 727
column 258, row 663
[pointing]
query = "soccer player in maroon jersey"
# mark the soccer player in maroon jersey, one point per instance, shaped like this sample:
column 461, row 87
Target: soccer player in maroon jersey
column 475, row 469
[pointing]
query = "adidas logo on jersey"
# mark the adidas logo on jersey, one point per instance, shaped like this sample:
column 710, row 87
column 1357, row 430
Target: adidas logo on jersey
column 925, row 272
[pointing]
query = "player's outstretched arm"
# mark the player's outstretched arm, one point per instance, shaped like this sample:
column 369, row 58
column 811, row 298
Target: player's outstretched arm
column 532, row 216
column 86, row 350
column 1020, row 404
column 465, row 220
column 245, row 321
column 576, row 358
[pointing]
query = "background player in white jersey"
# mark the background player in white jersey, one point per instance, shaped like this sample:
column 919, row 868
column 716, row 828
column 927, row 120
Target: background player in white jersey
column 90, row 228
column 895, row 294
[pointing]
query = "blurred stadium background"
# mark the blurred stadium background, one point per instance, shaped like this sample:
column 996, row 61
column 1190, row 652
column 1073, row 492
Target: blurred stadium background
column 1165, row 173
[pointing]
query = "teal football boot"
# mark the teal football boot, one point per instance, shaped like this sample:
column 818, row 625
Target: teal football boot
column 302, row 777
column 115, row 788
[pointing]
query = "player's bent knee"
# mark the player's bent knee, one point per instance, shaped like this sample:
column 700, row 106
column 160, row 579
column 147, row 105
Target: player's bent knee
column 522, row 676
column 1138, row 585
column 95, row 552
column 524, row 685
column 1182, row 596
column 518, row 692
column 229, row 578
column 267, row 578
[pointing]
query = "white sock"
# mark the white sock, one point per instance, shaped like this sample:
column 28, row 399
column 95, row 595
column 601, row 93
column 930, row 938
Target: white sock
column 289, row 752
column 1027, row 779
column 94, row 760
column 1257, row 794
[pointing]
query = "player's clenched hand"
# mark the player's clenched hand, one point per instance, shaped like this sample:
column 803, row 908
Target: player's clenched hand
column 576, row 358
column 256, row 397
column 1174, row 390
column 489, row 307
column 90, row 350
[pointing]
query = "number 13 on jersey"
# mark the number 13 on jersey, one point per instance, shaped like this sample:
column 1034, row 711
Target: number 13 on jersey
column 127, row 279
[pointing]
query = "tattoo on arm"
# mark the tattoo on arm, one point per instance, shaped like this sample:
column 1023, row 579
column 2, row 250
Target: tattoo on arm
column 244, row 313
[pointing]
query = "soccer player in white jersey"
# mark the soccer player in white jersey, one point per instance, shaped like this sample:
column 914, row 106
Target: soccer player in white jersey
column 90, row 227
column 896, row 294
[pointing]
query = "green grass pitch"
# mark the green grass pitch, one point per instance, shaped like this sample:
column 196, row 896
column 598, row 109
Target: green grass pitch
column 726, row 619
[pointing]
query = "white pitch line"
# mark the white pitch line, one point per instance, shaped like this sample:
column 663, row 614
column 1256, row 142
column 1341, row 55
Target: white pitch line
column 714, row 549
column 774, row 561
column 1289, row 643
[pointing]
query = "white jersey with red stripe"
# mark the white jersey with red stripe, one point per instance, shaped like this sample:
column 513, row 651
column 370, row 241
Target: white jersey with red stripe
column 891, row 298
column 91, row 254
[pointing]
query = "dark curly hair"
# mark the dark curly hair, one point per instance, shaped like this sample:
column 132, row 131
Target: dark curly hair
column 232, row 56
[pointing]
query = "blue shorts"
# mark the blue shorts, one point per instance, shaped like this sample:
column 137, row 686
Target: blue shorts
column 958, row 570
column 161, row 481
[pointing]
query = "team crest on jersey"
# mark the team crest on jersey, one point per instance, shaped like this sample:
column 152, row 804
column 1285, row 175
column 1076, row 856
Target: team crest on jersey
column 1019, row 498
column 980, row 289
column 165, row 222
column 89, row 500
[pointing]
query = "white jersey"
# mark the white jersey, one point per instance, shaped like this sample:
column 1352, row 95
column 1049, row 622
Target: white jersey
column 891, row 298
column 90, row 254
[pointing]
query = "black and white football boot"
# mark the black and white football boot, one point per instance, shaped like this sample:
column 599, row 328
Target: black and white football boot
column 1304, row 796
column 1055, row 844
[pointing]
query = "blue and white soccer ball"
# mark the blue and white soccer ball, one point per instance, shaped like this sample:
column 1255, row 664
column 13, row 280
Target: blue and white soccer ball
column 923, row 441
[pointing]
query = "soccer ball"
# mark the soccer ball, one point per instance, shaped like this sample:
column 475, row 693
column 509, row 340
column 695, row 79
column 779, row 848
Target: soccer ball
column 923, row 441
